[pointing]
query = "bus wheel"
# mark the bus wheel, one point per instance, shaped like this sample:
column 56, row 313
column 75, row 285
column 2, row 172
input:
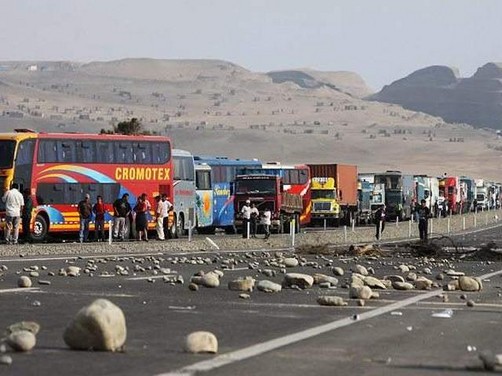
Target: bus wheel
column 40, row 228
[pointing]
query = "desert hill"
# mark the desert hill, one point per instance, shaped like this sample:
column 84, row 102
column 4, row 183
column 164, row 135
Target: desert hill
column 217, row 107
column 440, row 91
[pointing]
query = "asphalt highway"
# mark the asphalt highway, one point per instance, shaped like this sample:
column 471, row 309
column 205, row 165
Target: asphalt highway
column 285, row 333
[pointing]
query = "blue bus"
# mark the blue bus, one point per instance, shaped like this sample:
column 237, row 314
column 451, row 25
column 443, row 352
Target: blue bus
column 224, row 170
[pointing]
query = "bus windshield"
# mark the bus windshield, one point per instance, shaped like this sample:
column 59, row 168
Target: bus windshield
column 7, row 153
column 254, row 186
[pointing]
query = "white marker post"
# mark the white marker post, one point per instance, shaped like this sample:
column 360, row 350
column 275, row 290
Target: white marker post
column 345, row 234
column 110, row 229
column 292, row 226
column 353, row 225
column 463, row 223
column 475, row 222
column 189, row 230
column 448, row 225
column 397, row 221
column 248, row 228
column 324, row 224
column 409, row 227
column 431, row 227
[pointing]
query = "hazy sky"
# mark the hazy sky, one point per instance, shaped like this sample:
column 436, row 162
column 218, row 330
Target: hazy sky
column 382, row 40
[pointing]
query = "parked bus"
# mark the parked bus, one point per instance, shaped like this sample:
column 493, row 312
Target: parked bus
column 60, row 168
column 204, row 198
column 223, row 174
column 184, row 190
column 295, row 179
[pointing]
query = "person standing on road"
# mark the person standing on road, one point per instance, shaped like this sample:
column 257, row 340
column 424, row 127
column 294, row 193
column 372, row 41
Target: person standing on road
column 99, row 211
column 380, row 221
column 14, row 203
column 167, row 215
column 423, row 214
column 246, row 217
column 161, row 212
column 141, row 209
column 266, row 221
column 121, row 210
column 85, row 213
column 254, row 217
column 26, row 215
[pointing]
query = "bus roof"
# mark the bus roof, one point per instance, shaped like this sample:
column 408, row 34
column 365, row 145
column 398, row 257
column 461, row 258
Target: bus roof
column 181, row 153
column 22, row 134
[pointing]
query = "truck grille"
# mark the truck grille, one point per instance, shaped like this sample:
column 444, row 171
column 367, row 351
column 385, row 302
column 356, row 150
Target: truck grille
column 322, row 206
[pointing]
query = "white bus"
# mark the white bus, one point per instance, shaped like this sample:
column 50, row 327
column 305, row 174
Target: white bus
column 204, row 198
column 184, row 191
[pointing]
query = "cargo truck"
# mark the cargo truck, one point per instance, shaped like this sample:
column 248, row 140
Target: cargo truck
column 371, row 197
column 339, row 202
column 267, row 191
column 399, row 192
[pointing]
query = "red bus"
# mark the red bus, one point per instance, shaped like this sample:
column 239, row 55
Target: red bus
column 60, row 168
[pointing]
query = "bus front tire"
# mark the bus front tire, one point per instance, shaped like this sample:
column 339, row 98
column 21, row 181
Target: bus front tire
column 40, row 228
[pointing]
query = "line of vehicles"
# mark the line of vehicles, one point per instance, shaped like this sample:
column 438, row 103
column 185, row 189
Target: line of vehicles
column 208, row 192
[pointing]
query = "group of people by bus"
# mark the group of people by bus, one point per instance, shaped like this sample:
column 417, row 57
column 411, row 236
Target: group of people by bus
column 251, row 219
column 123, row 214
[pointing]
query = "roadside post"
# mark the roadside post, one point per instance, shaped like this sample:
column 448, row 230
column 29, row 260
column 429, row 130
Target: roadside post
column 110, row 229
column 397, row 221
column 448, row 225
column 409, row 228
column 189, row 230
column 353, row 225
column 345, row 234
column 463, row 223
column 292, row 226
column 324, row 224
column 431, row 227
column 475, row 221
column 248, row 227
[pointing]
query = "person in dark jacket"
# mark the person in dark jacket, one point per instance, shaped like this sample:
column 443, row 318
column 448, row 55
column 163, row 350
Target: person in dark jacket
column 423, row 213
column 380, row 221
column 99, row 210
column 26, row 215
column 85, row 213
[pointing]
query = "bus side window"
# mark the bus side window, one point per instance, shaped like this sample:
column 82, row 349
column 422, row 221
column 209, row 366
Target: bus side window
column 47, row 151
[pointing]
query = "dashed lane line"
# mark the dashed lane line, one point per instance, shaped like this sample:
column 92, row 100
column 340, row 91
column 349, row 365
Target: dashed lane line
column 267, row 346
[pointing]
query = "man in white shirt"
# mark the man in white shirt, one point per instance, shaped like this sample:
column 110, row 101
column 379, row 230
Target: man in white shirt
column 14, row 203
column 255, row 214
column 162, row 212
column 266, row 221
column 246, row 217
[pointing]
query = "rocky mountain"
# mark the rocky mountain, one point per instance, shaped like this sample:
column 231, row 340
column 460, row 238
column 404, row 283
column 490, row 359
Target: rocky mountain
column 217, row 107
column 440, row 91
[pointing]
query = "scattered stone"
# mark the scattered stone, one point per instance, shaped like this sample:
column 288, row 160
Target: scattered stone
column 440, row 277
column 72, row 271
column 356, row 281
column 98, row 326
column 201, row 342
column 43, row 282
column 322, row 278
column 394, row 278
column 21, row 340
column 470, row 303
column 193, row 287
column 361, row 302
column 210, row 280
column 454, row 273
column 422, row 283
column 290, row 262
column 404, row 268
column 331, row 301
column 469, row 284
column 268, row 286
column 490, row 360
column 324, row 285
column 402, row 285
column 34, row 274
column 303, row 281
column 30, row 326
column 374, row 283
column 244, row 296
column 6, row 360
column 411, row 277
column 24, row 282
column 427, row 271
column 451, row 286
column 375, row 295
column 361, row 270
column 360, row 292
column 338, row 271
column 242, row 284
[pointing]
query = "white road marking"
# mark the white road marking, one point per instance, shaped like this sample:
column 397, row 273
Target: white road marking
column 260, row 348
column 19, row 289
column 151, row 277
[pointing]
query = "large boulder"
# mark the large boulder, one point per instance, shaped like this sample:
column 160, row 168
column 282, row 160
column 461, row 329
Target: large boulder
column 24, row 282
column 469, row 284
column 98, row 326
column 364, row 292
column 374, row 283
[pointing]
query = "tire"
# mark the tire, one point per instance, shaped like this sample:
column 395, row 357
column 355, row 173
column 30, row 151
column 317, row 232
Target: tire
column 40, row 228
